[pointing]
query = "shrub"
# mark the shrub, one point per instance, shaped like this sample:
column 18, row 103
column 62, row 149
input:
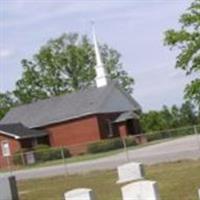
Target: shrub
column 18, row 157
column 105, row 145
column 44, row 153
column 154, row 136
column 130, row 141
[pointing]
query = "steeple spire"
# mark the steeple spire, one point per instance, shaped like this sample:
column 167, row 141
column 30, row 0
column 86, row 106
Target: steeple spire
column 101, row 77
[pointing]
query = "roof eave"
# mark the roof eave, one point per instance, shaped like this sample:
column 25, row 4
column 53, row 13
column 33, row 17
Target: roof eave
column 10, row 134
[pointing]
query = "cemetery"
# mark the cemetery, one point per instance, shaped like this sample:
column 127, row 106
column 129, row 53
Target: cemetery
column 75, row 96
column 178, row 180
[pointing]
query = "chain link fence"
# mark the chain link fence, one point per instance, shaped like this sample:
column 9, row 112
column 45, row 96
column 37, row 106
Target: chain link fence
column 47, row 156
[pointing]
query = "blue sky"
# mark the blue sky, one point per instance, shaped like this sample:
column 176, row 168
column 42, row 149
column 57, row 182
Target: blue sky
column 134, row 27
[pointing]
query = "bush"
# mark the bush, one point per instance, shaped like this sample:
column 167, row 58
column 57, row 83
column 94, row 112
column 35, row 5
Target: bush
column 44, row 153
column 18, row 157
column 130, row 141
column 109, row 144
column 153, row 136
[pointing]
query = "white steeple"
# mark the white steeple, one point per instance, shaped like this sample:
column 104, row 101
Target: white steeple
column 101, row 76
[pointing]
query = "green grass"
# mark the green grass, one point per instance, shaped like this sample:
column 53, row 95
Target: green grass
column 177, row 181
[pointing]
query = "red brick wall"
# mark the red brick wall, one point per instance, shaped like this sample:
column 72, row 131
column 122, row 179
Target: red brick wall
column 14, row 146
column 75, row 132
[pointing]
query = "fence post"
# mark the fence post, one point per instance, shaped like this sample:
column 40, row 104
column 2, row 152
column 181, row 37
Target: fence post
column 63, row 158
column 8, row 161
column 125, row 148
column 22, row 157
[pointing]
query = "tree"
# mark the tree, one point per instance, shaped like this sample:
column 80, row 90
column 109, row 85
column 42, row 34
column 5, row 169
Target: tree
column 64, row 65
column 187, row 40
column 152, row 121
column 188, row 114
column 6, row 102
column 170, row 118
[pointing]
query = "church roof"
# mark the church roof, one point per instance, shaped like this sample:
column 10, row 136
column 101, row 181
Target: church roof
column 110, row 98
column 19, row 131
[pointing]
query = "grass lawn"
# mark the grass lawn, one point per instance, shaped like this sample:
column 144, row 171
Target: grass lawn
column 177, row 181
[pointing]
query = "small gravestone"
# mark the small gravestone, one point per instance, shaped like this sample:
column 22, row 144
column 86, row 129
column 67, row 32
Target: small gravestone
column 142, row 190
column 80, row 194
column 130, row 172
column 8, row 188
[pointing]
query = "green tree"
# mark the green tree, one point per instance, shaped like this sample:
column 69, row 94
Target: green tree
column 6, row 102
column 64, row 65
column 166, row 115
column 187, row 40
column 152, row 121
column 170, row 118
column 188, row 114
column 176, row 115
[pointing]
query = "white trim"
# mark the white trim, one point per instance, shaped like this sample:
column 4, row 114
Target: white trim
column 9, row 134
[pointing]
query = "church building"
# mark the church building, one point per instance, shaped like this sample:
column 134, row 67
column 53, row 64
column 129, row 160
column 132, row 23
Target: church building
column 89, row 115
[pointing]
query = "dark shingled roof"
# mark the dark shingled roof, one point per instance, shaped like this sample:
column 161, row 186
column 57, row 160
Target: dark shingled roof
column 110, row 98
column 19, row 131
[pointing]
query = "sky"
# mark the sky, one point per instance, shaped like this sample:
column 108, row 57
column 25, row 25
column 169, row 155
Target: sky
column 133, row 27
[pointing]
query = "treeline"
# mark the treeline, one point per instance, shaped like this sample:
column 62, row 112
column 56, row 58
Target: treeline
column 170, row 117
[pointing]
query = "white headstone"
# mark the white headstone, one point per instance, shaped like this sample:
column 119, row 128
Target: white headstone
column 130, row 172
column 142, row 190
column 80, row 194
column 5, row 192
column 199, row 193
column 8, row 188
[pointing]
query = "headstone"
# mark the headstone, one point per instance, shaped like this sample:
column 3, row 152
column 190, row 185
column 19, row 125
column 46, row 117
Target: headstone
column 142, row 190
column 130, row 172
column 199, row 193
column 8, row 188
column 80, row 194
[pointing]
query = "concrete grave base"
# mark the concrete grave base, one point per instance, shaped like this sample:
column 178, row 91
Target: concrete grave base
column 80, row 194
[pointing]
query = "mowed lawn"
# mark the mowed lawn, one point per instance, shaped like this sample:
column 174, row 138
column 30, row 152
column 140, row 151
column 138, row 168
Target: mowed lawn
column 177, row 181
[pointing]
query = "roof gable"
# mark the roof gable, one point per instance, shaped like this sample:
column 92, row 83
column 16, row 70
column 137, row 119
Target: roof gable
column 118, row 100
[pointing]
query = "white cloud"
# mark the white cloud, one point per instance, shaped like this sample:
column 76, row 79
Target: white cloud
column 5, row 53
column 21, row 12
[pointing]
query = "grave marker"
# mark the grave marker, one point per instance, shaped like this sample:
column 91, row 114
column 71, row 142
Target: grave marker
column 8, row 188
column 142, row 190
column 130, row 172
column 199, row 193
